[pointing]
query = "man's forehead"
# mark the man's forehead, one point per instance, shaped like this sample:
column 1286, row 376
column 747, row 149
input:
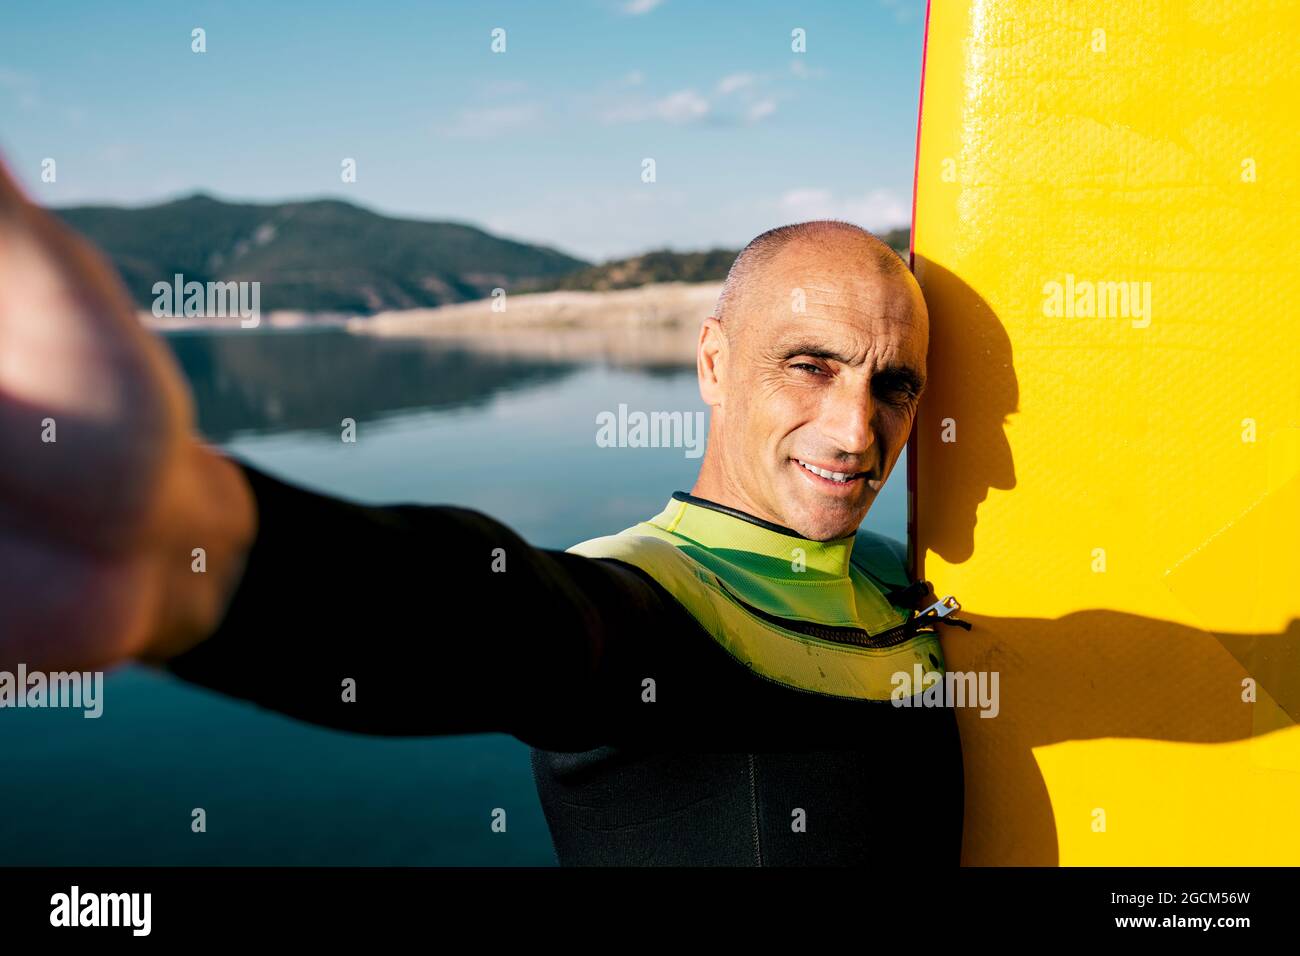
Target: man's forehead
column 848, row 334
column 847, row 309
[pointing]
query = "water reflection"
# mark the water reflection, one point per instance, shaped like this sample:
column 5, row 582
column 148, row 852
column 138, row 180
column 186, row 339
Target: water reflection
column 272, row 382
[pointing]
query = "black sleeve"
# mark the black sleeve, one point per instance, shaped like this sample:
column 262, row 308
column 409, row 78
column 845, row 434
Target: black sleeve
column 411, row 603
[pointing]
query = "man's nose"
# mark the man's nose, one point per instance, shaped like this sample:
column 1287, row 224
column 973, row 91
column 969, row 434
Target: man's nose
column 846, row 421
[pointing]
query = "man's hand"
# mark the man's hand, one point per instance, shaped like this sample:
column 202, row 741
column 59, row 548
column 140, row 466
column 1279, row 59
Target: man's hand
column 104, row 492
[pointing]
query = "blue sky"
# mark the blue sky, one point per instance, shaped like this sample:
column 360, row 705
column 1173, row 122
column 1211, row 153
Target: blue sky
column 543, row 142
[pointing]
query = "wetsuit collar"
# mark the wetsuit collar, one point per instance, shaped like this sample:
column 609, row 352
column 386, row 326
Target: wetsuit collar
column 718, row 527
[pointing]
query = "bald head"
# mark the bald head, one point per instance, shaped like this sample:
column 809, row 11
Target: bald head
column 813, row 364
column 852, row 245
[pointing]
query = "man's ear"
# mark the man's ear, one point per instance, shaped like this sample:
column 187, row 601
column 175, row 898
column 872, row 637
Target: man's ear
column 710, row 361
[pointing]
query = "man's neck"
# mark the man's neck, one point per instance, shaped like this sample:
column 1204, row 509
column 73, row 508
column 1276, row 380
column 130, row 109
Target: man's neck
column 712, row 485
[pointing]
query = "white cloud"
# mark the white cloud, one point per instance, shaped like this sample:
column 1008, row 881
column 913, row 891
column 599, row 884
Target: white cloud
column 491, row 121
column 736, row 98
column 684, row 106
column 736, row 81
column 877, row 209
column 635, row 8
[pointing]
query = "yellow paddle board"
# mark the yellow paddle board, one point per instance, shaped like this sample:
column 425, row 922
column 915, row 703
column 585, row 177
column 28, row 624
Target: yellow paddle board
column 1106, row 467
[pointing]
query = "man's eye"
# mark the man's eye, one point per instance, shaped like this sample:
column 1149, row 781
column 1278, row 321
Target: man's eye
column 899, row 395
column 807, row 367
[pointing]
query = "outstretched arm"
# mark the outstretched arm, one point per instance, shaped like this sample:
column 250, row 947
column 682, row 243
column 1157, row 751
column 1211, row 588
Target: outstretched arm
column 411, row 619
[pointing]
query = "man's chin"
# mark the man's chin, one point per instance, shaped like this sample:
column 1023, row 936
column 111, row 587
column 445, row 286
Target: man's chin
column 826, row 521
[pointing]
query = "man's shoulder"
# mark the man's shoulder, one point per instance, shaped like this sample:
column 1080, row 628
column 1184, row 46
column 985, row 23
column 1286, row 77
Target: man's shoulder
column 642, row 545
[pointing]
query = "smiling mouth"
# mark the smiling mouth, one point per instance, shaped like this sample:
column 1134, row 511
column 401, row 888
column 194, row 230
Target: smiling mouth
column 838, row 477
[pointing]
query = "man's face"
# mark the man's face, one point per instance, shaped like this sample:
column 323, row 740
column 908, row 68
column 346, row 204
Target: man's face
column 832, row 389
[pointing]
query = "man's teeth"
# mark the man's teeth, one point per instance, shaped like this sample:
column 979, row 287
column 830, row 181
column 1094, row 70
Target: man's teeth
column 832, row 475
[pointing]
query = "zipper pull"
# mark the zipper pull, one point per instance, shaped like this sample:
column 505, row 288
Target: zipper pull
column 943, row 607
column 940, row 610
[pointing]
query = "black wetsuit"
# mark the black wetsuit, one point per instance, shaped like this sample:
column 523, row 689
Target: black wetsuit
column 724, row 767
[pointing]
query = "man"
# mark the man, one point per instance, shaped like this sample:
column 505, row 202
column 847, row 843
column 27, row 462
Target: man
column 711, row 686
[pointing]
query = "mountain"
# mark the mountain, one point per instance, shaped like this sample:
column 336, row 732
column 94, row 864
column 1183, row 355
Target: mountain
column 666, row 266
column 331, row 256
column 324, row 255
column 659, row 266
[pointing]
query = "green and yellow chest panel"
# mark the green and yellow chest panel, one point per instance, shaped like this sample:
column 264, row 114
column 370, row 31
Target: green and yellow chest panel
column 807, row 614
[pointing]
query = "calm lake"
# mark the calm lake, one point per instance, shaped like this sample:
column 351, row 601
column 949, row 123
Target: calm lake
column 515, row 438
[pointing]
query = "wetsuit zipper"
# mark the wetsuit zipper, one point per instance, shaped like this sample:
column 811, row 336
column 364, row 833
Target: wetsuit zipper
column 833, row 634
column 753, row 812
